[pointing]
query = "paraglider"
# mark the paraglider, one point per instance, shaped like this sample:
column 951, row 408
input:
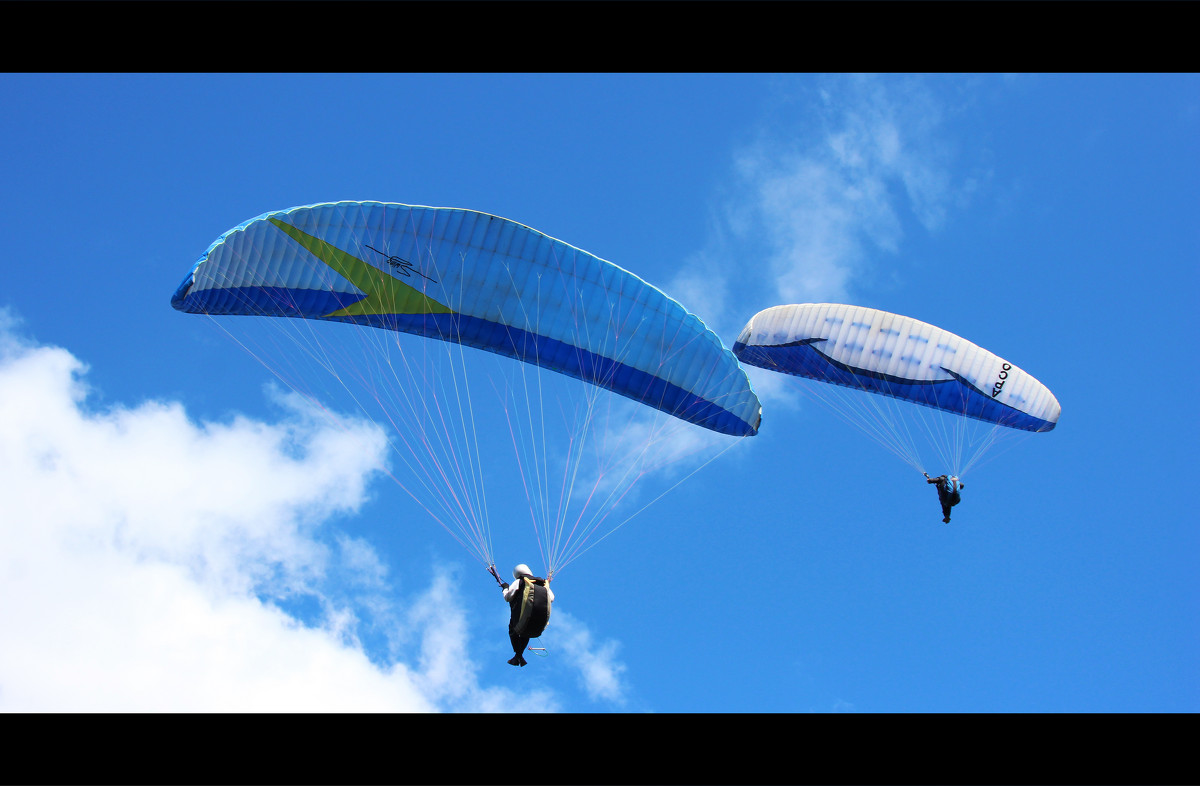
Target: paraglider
column 529, row 599
column 392, row 302
column 949, row 492
column 895, row 377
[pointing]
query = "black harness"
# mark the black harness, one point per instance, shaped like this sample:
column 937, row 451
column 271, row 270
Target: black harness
column 530, row 608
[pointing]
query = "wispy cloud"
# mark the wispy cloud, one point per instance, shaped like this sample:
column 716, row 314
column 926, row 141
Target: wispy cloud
column 599, row 669
column 830, row 198
column 825, row 191
column 147, row 563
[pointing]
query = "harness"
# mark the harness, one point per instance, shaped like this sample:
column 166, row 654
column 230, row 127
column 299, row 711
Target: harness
column 530, row 608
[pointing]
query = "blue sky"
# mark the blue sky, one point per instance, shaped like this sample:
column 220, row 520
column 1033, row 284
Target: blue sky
column 172, row 538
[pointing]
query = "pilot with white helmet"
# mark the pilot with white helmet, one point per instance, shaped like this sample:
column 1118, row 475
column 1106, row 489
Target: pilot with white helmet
column 529, row 597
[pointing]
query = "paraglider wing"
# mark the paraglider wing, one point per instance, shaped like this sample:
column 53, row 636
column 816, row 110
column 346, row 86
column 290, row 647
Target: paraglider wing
column 892, row 355
column 481, row 281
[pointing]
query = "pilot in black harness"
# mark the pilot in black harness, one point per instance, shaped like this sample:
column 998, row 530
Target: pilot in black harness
column 948, row 489
column 529, row 597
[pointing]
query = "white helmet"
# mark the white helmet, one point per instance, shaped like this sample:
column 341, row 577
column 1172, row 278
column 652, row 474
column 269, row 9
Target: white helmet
column 522, row 570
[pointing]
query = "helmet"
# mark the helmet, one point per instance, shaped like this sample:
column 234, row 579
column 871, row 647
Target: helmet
column 522, row 570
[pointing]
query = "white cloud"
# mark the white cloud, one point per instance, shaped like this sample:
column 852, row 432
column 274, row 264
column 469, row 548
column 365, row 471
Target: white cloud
column 146, row 561
column 599, row 670
column 815, row 217
column 824, row 192
column 829, row 201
